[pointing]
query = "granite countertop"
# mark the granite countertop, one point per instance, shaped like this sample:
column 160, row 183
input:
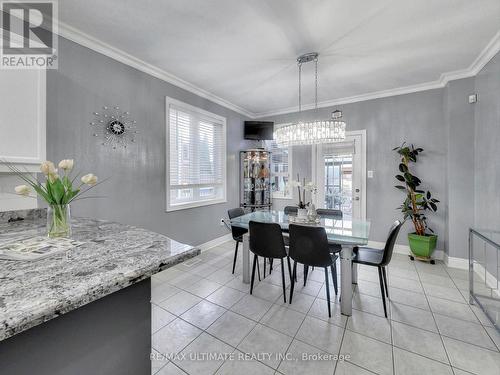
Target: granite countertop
column 113, row 257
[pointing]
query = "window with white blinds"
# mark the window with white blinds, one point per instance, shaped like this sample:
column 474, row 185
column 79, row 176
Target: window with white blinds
column 281, row 165
column 196, row 157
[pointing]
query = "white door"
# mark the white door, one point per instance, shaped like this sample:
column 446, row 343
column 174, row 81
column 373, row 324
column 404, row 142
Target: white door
column 339, row 170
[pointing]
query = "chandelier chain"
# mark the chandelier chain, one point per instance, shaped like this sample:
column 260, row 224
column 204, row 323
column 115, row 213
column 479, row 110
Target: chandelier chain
column 302, row 132
column 316, row 83
column 300, row 87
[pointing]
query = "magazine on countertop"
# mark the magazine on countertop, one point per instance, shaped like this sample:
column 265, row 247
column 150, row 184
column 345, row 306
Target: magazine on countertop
column 36, row 248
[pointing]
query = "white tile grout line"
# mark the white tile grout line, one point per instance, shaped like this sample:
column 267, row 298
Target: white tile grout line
column 307, row 314
column 317, row 296
column 438, row 333
column 300, row 326
column 205, row 330
column 480, row 322
column 437, row 327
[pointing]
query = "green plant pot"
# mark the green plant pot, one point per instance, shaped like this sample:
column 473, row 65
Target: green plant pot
column 422, row 246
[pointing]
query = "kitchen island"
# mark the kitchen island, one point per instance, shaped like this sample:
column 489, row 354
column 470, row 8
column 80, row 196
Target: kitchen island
column 85, row 311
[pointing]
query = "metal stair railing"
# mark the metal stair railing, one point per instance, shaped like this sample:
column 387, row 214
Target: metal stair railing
column 484, row 268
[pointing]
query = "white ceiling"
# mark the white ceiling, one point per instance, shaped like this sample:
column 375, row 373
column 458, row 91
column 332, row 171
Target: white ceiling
column 244, row 51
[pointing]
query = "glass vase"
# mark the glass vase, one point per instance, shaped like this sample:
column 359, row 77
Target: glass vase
column 302, row 213
column 59, row 221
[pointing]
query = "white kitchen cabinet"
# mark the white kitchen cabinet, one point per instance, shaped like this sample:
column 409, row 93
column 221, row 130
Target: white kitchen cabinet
column 22, row 118
column 22, row 131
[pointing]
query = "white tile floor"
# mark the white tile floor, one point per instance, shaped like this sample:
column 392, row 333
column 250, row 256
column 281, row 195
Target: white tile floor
column 206, row 317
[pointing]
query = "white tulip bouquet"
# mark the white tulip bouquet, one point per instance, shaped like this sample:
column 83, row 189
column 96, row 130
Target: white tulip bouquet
column 57, row 190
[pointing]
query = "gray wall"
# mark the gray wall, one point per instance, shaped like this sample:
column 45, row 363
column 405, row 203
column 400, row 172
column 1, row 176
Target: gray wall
column 135, row 193
column 487, row 138
column 441, row 121
column 459, row 120
column 301, row 163
column 417, row 118
column 487, row 160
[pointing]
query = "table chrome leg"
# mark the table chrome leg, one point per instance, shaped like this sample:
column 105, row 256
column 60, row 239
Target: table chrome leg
column 471, row 269
column 246, row 258
column 346, row 280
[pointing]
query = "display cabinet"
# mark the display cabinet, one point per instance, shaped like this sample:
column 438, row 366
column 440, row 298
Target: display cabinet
column 255, row 181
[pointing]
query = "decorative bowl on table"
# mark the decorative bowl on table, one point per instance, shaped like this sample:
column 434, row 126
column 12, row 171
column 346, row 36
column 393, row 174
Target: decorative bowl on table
column 293, row 219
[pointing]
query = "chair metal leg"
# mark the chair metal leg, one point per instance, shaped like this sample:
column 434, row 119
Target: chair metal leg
column 253, row 272
column 264, row 268
column 289, row 268
column 327, row 292
column 385, row 282
column 270, row 265
column 294, row 275
column 235, row 255
column 381, row 280
column 258, row 269
column 333, row 268
column 283, row 279
column 306, row 271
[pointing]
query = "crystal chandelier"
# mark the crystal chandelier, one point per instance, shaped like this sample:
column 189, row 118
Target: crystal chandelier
column 310, row 132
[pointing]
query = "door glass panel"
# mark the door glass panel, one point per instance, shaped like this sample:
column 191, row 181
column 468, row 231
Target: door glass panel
column 338, row 183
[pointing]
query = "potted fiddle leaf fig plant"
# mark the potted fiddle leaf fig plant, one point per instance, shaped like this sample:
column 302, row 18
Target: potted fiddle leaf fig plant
column 417, row 202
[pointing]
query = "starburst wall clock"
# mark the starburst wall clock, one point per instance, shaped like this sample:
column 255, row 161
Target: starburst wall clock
column 114, row 126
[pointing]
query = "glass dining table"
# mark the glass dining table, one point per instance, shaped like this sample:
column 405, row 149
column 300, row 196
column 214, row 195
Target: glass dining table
column 345, row 232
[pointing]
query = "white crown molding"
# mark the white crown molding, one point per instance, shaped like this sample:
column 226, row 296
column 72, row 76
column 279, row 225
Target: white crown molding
column 77, row 36
column 97, row 45
column 491, row 49
column 357, row 98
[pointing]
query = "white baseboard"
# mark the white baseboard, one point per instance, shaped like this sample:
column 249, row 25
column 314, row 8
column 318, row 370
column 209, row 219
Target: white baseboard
column 215, row 242
column 452, row 262
column 455, row 262
column 490, row 280
column 405, row 249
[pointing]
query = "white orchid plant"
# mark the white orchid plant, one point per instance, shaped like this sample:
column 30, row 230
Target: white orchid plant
column 302, row 188
column 57, row 189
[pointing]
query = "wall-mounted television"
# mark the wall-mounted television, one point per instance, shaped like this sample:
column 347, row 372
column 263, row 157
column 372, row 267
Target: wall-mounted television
column 259, row 130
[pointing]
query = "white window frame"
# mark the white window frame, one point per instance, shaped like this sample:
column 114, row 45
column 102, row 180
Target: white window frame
column 200, row 203
column 281, row 194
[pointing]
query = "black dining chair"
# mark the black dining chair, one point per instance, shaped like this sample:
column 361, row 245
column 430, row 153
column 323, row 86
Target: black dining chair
column 291, row 210
column 379, row 258
column 330, row 213
column 266, row 240
column 309, row 246
column 334, row 248
column 237, row 232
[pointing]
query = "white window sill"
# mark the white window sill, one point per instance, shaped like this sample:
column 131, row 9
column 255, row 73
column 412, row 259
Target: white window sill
column 185, row 206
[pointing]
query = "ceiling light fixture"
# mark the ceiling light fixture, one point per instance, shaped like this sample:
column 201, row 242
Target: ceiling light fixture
column 310, row 132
